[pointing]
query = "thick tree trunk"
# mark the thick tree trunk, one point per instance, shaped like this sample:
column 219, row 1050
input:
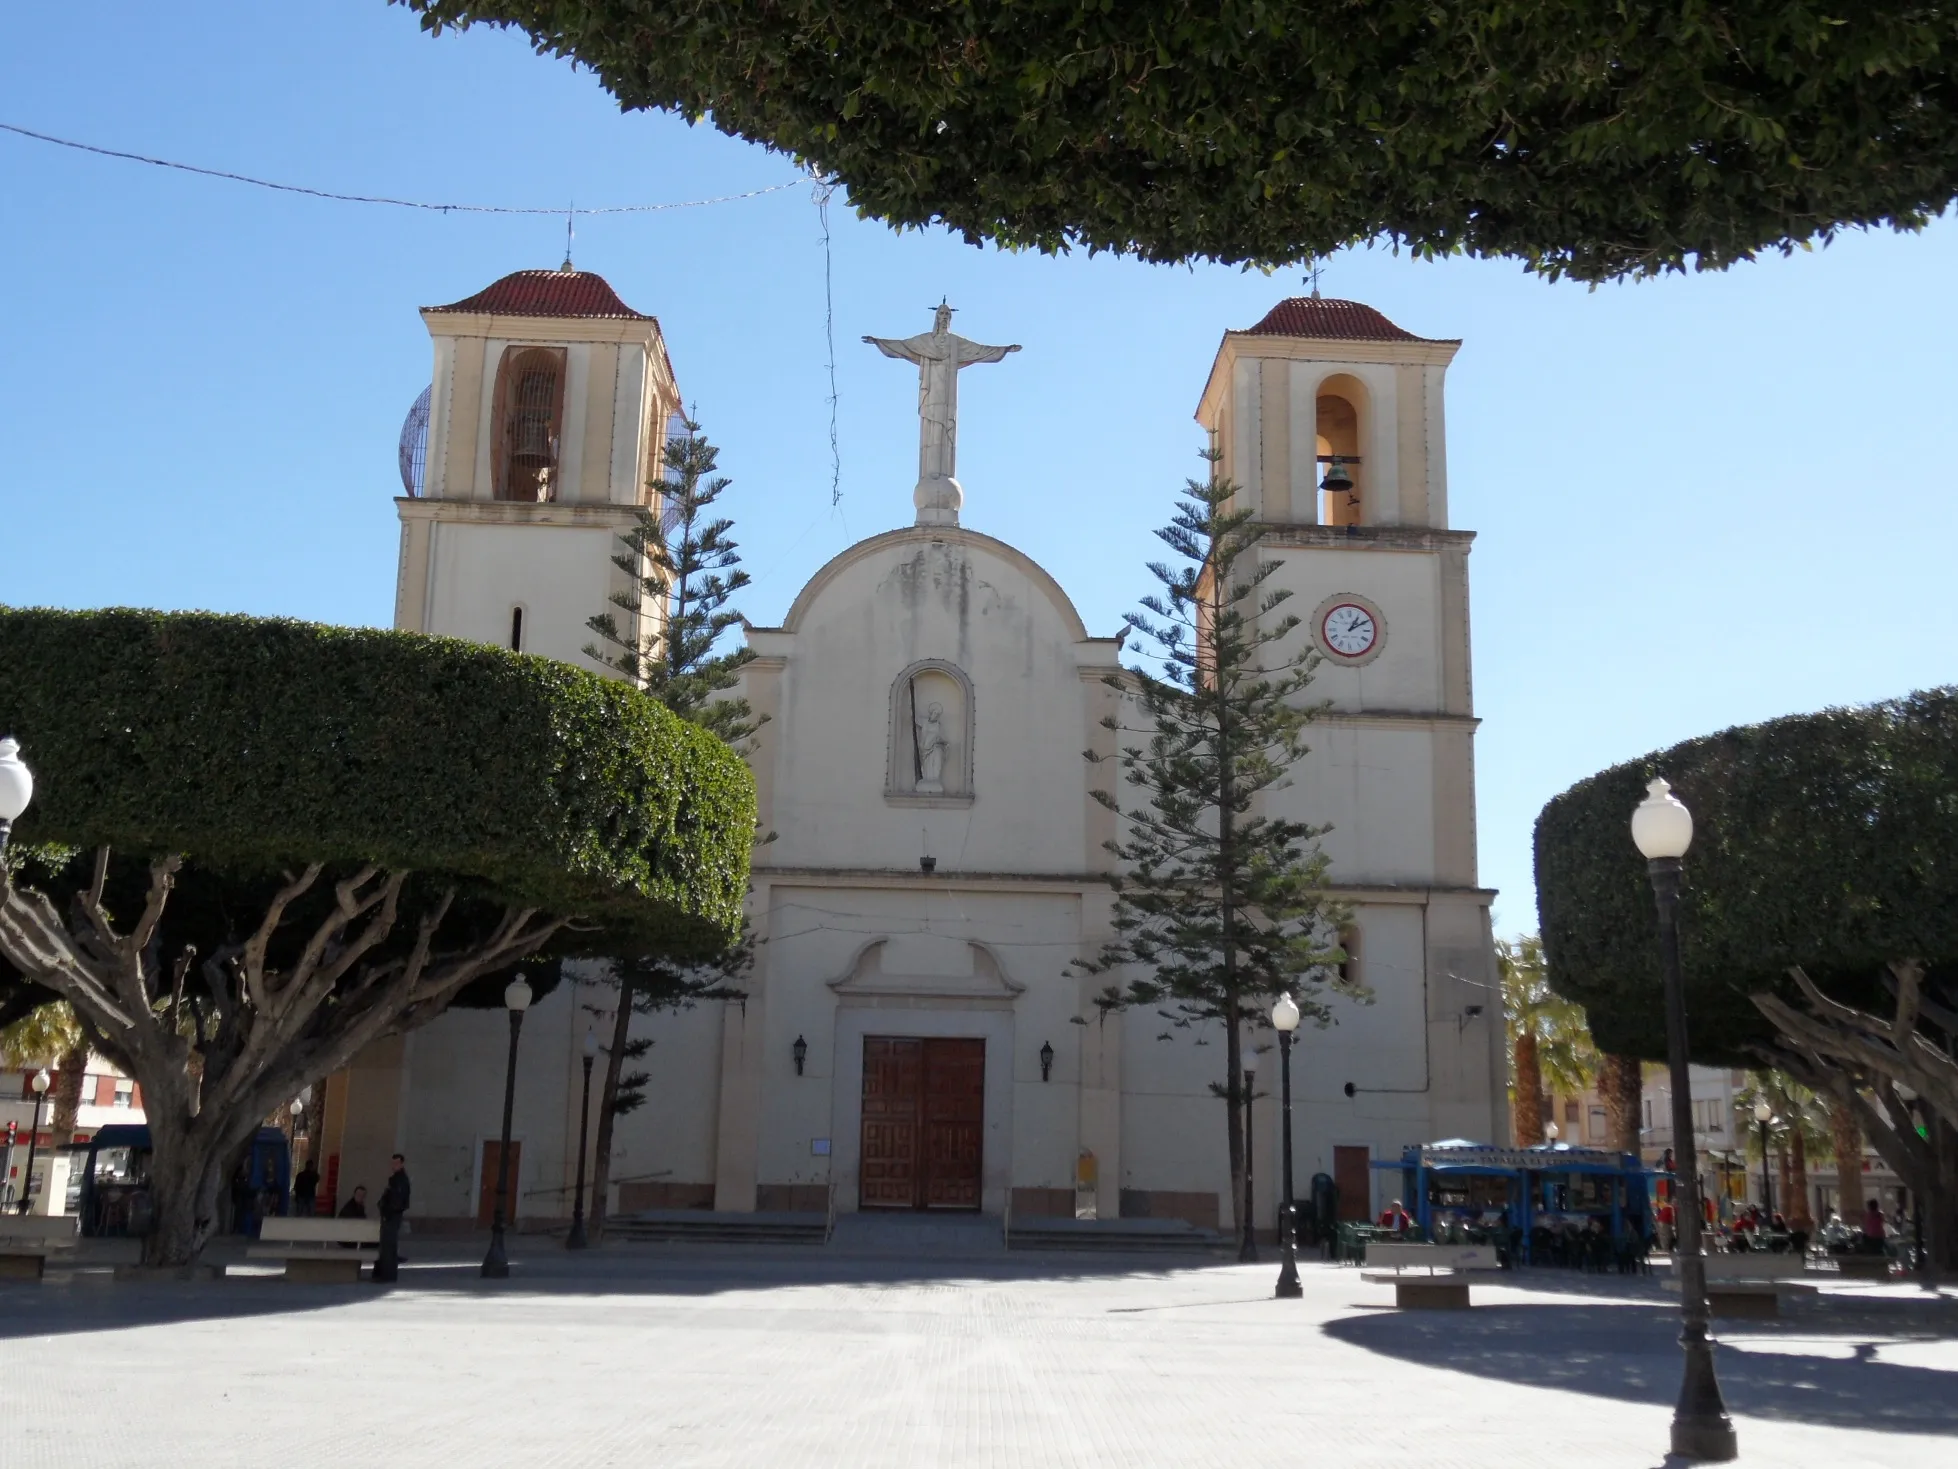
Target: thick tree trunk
column 1848, row 1138
column 1622, row 1087
column 70, row 1071
column 1234, row 1116
column 1800, row 1215
column 608, row 1101
column 1528, row 1084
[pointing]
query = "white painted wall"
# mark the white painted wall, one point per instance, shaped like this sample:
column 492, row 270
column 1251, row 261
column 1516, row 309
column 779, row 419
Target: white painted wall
column 557, row 573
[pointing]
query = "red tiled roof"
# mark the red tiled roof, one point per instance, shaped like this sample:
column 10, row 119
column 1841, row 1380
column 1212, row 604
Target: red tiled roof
column 1325, row 318
column 562, row 293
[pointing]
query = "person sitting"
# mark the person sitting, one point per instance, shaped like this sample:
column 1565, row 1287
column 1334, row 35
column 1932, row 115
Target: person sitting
column 1874, row 1229
column 356, row 1206
column 1396, row 1218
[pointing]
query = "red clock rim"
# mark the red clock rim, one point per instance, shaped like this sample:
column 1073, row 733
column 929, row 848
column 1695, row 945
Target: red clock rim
column 1372, row 618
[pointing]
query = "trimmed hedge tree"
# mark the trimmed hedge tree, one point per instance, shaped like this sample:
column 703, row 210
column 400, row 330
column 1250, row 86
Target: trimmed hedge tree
column 275, row 842
column 1819, row 921
column 1827, row 841
column 1589, row 140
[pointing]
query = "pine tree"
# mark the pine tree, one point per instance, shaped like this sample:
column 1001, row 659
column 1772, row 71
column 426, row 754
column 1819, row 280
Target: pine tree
column 1221, row 907
column 683, row 565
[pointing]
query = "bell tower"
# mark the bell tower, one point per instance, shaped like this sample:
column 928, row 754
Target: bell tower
column 1328, row 417
column 540, row 441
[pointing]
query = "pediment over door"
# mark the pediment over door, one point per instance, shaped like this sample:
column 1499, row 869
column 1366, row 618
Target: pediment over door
column 926, row 968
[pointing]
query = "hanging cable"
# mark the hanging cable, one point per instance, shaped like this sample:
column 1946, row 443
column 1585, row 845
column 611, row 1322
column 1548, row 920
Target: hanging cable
column 824, row 188
column 311, row 193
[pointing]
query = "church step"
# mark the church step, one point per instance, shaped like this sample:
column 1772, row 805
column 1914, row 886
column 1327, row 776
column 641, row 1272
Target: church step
column 1128, row 1236
column 708, row 1227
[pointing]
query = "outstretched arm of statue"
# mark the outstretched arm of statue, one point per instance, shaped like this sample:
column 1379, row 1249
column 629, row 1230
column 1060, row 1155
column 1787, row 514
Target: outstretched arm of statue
column 897, row 347
column 974, row 352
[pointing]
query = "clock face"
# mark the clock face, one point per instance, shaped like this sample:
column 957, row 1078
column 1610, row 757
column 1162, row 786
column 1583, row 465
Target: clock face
column 1349, row 630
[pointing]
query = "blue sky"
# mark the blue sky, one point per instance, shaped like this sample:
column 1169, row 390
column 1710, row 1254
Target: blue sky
column 1700, row 501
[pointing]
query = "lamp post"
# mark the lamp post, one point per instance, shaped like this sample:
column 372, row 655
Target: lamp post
column 1247, row 1251
column 40, row 1085
column 16, row 789
column 1662, row 829
column 575, row 1240
column 1285, row 1020
column 496, row 1264
column 1763, row 1115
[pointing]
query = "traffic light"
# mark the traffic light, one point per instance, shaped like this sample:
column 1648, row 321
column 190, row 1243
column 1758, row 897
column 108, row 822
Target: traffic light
column 13, row 1131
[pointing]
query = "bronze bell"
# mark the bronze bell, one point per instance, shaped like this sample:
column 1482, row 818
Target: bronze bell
column 1337, row 480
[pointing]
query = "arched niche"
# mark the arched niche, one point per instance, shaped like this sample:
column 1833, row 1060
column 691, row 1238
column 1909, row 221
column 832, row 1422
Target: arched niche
column 528, row 423
column 931, row 735
column 1341, row 412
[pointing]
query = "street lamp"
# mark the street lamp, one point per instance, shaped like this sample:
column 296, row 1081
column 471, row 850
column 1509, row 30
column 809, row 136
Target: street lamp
column 40, row 1085
column 1764, row 1114
column 1247, row 1251
column 1662, row 829
column 16, row 788
column 496, row 1265
column 575, row 1240
column 1285, row 1020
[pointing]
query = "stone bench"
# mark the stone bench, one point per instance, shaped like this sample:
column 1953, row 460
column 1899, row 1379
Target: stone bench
column 26, row 1241
column 1444, row 1286
column 1863, row 1267
column 319, row 1251
column 1750, row 1285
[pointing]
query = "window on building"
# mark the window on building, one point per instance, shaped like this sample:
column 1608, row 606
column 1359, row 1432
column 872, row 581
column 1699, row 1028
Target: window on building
column 125, row 1092
column 1349, row 943
column 1597, row 1123
column 1571, row 1110
column 1647, row 1105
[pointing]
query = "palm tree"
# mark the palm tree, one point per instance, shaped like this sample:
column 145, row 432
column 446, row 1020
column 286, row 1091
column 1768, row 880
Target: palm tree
column 1548, row 1037
column 49, row 1035
column 1805, row 1127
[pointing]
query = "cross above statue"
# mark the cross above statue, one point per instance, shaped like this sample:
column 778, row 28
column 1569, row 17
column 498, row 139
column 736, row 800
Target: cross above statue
column 939, row 355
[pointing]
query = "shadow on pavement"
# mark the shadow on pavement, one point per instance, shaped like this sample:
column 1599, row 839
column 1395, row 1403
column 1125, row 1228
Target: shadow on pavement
column 1822, row 1368
column 93, row 1301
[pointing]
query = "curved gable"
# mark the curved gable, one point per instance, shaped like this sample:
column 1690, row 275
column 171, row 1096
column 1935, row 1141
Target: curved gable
column 1034, row 572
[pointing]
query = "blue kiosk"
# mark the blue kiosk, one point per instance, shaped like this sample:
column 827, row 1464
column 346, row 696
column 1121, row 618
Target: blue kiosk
column 1458, row 1190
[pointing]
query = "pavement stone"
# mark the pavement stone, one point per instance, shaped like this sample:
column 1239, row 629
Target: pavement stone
column 785, row 1357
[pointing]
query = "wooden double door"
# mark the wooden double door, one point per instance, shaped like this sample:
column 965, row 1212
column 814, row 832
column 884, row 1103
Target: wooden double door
column 924, row 1113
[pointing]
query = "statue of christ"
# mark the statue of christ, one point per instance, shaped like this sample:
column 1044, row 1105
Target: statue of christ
column 939, row 355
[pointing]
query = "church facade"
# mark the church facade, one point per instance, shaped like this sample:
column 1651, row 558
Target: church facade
column 913, row 1035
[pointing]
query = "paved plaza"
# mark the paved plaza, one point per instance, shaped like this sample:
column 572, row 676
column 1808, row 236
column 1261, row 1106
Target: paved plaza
column 705, row 1356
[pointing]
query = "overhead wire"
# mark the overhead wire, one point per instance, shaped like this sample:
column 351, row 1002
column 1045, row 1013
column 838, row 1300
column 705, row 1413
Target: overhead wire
column 312, row 193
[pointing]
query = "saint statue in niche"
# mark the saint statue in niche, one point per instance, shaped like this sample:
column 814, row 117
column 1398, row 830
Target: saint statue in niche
column 929, row 731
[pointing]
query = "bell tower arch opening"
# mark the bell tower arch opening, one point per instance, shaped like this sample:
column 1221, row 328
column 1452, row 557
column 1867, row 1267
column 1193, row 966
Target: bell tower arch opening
column 1340, row 413
column 529, row 423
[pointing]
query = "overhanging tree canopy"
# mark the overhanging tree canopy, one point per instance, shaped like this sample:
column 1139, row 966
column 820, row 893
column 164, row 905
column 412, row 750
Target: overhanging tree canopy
column 1596, row 141
column 1827, row 841
column 253, row 743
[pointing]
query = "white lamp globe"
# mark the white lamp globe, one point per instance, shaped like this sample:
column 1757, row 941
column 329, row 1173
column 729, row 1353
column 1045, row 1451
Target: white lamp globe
column 1550, row 1132
column 42, row 1081
column 16, row 781
column 1285, row 1015
column 1661, row 826
column 1762, row 1111
column 517, row 996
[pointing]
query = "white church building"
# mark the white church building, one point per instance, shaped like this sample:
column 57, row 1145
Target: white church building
column 912, row 1035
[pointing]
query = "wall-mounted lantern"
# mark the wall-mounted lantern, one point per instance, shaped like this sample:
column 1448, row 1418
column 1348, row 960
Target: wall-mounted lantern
column 1046, row 1060
column 800, row 1050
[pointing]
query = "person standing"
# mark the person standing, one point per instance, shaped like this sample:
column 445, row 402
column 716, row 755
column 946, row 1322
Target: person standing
column 305, row 1191
column 394, row 1204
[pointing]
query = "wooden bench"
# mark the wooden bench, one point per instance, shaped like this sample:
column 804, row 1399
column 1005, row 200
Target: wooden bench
column 1444, row 1286
column 1750, row 1285
column 26, row 1241
column 317, row 1250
